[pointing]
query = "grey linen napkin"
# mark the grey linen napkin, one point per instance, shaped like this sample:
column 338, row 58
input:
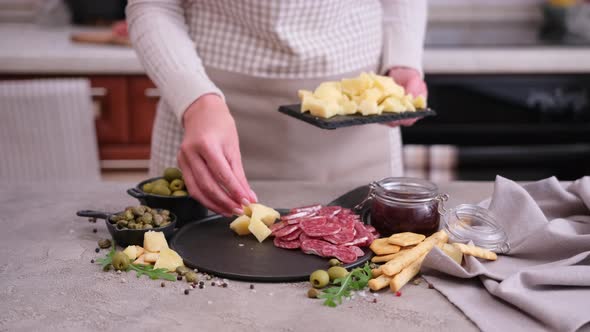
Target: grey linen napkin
column 543, row 283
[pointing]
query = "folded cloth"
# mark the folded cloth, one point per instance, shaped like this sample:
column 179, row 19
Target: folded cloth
column 543, row 282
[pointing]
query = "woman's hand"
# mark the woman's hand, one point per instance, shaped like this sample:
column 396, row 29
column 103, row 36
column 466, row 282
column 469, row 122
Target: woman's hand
column 412, row 81
column 210, row 159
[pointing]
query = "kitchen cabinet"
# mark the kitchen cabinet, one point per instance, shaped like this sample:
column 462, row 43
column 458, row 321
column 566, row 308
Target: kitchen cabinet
column 124, row 110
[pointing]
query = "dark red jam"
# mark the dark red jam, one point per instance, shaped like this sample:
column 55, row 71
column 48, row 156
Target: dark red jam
column 399, row 207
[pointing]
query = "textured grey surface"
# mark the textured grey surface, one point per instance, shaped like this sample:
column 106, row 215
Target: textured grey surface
column 47, row 281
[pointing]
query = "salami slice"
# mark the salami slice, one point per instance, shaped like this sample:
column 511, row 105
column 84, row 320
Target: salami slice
column 304, row 237
column 359, row 241
column 298, row 215
column 276, row 226
column 341, row 237
column 330, row 211
column 344, row 254
column 359, row 252
column 286, row 230
column 280, row 243
column 293, row 236
column 315, row 207
column 320, row 230
column 314, row 246
column 313, row 222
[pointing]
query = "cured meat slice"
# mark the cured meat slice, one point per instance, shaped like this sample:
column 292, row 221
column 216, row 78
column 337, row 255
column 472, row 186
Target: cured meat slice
column 315, row 207
column 280, row 243
column 370, row 229
column 276, row 226
column 286, row 230
column 330, row 211
column 314, row 246
column 341, row 237
column 298, row 215
column 359, row 241
column 313, row 222
column 320, row 230
column 304, row 237
column 344, row 254
column 359, row 252
column 293, row 236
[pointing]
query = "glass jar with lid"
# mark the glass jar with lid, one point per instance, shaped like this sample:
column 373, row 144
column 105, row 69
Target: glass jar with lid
column 401, row 204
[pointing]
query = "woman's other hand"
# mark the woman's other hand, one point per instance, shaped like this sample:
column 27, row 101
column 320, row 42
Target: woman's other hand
column 210, row 159
column 412, row 81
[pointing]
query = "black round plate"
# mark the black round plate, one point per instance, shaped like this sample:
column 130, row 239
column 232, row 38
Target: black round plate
column 210, row 246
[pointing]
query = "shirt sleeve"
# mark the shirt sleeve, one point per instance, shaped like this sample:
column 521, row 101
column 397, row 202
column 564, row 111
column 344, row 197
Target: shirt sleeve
column 404, row 26
column 159, row 35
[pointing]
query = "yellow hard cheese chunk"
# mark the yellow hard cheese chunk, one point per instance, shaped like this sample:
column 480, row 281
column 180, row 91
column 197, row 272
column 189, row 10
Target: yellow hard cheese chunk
column 168, row 260
column 393, row 105
column 453, row 252
column 133, row 252
column 328, row 91
column 259, row 229
column 154, row 241
column 387, row 86
column 264, row 213
column 419, row 102
column 240, row 225
column 356, row 86
column 320, row 107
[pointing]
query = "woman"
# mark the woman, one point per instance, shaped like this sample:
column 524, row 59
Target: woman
column 224, row 66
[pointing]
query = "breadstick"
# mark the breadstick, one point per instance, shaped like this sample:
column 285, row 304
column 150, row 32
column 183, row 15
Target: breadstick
column 376, row 272
column 406, row 274
column 384, row 258
column 405, row 239
column 406, row 258
column 476, row 251
column 380, row 282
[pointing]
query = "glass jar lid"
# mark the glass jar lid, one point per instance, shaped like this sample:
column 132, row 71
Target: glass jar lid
column 468, row 222
column 407, row 190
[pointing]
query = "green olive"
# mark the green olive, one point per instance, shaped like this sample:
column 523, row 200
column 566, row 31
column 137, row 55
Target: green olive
column 319, row 279
column 121, row 261
column 172, row 173
column 334, row 262
column 313, row 293
column 162, row 182
column 182, row 270
column 160, row 189
column 336, row 272
column 104, row 243
column 180, row 193
column 191, row 277
column 176, row 184
column 147, row 188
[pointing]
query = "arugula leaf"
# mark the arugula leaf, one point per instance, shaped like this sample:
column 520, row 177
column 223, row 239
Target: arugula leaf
column 139, row 269
column 356, row 280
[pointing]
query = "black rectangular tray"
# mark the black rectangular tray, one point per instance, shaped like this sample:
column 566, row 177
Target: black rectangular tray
column 340, row 121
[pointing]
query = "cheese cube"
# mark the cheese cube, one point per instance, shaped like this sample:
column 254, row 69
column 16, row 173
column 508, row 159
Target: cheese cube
column 372, row 95
column 133, row 252
column 453, row 252
column 141, row 261
column 151, row 257
column 391, row 104
column 168, row 260
column 356, row 86
column 240, row 225
column 388, row 86
column 264, row 213
column 328, row 91
column 259, row 229
column 407, row 101
column 319, row 107
column 368, row 107
column 419, row 102
column 348, row 106
column 304, row 93
column 154, row 241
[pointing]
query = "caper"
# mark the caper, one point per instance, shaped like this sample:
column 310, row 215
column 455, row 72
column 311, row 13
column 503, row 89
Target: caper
column 334, row 262
column 180, row 193
column 158, row 220
column 147, row 226
column 104, row 243
column 319, row 279
column 176, row 184
column 107, row 268
column 129, row 215
column 313, row 293
column 191, row 277
column 138, row 210
column 131, row 225
column 122, row 223
column 114, row 219
column 165, row 213
column 182, row 270
column 336, row 272
column 165, row 223
column 161, row 190
column 147, row 218
column 172, row 173
column 120, row 261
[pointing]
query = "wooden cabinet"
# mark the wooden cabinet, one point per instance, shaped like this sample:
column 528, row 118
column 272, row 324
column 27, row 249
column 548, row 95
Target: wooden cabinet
column 124, row 108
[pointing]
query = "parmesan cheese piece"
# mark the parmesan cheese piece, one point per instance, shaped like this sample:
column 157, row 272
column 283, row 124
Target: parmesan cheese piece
column 259, row 229
column 154, row 241
column 168, row 260
column 240, row 225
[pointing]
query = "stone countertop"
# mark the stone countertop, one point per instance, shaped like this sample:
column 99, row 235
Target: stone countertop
column 29, row 49
column 48, row 283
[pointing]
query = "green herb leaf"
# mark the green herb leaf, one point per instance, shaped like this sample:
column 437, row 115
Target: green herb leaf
column 108, row 259
column 356, row 280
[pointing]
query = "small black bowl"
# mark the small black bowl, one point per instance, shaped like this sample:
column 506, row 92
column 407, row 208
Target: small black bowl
column 126, row 237
column 185, row 208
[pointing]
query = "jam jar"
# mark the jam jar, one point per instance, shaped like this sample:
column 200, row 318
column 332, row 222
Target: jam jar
column 401, row 204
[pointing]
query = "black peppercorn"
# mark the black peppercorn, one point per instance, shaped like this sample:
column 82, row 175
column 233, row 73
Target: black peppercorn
column 94, row 230
column 186, row 291
column 430, row 286
column 251, row 286
column 201, row 286
column 162, row 284
column 213, row 284
column 92, row 261
column 97, row 250
column 201, row 283
column 224, row 285
column 179, row 277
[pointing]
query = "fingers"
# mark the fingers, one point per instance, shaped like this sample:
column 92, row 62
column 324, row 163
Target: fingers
column 235, row 162
column 206, row 190
column 416, row 87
